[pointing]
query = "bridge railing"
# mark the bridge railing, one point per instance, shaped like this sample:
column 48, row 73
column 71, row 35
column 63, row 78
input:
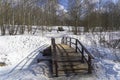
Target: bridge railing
column 79, row 47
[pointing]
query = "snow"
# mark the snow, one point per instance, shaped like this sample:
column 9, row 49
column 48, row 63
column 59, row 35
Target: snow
column 34, row 72
column 19, row 46
column 20, row 53
column 55, row 34
column 106, row 65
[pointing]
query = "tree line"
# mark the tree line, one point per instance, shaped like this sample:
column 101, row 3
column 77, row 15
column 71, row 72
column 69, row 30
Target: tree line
column 16, row 15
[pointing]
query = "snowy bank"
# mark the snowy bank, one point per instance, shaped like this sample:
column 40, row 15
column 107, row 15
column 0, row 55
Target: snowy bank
column 105, row 64
column 19, row 52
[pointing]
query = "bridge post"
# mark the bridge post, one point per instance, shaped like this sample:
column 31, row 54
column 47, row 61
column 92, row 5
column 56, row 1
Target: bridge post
column 62, row 40
column 76, row 45
column 82, row 54
column 70, row 42
column 65, row 40
column 89, row 65
column 54, row 59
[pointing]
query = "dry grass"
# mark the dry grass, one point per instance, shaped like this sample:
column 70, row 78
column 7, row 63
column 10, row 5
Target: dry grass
column 2, row 64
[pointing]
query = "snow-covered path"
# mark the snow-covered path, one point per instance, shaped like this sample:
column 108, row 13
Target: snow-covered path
column 27, row 61
column 26, row 49
column 30, row 59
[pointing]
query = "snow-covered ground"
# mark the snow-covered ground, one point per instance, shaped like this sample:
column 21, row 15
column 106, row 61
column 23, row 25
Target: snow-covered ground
column 106, row 64
column 18, row 53
column 21, row 51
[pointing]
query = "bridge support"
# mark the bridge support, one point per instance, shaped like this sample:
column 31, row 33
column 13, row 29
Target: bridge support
column 54, row 59
column 89, row 65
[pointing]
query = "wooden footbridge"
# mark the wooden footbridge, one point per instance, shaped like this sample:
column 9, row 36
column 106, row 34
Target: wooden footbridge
column 70, row 57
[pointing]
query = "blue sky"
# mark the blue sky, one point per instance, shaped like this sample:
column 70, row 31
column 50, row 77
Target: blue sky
column 64, row 3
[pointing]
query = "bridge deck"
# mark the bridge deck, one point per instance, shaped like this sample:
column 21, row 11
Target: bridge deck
column 68, row 61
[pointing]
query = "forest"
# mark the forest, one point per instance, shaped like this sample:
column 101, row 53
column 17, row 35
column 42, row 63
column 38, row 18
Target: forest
column 16, row 15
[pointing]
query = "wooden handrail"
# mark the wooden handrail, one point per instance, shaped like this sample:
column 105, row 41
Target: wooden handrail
column 85, row 49
column 82, row 50
column 76, row 40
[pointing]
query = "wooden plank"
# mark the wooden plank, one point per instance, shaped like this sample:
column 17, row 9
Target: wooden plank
column 68, row 60
column 74, row 69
